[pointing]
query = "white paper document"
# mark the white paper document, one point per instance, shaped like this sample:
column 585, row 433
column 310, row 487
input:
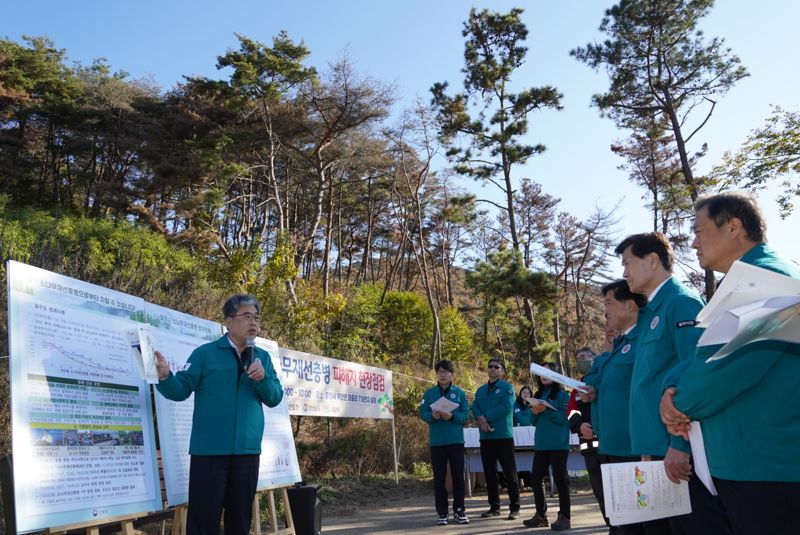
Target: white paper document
column 743, row 285
column 541, row 371
column 640, row 491
column 444, row 405
column 731, row 323
column 143, row 352
column 699, row 460
column 781, row 324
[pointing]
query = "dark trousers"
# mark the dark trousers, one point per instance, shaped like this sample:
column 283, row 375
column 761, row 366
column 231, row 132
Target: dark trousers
column 440, row 457
column 593, row 461
column 707, row 516
column 760, row 506
column 653, row 527
column 500, row 451
column 218, row 482
column 542, row 460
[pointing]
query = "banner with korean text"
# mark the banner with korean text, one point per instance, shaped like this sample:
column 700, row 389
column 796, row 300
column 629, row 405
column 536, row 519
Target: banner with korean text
column 322, row 386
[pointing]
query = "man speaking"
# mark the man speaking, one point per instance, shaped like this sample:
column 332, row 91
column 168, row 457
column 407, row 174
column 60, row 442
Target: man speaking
column 230, row 379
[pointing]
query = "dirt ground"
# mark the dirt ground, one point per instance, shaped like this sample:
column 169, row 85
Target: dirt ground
column 416, row 514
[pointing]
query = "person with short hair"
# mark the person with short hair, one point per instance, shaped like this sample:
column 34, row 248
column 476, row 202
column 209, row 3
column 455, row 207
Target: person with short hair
column 666, row 336
column 446, row 440
column 551, row 448
column 608, row 388
column 493, row 409
column 230, row 381
column 751, row 446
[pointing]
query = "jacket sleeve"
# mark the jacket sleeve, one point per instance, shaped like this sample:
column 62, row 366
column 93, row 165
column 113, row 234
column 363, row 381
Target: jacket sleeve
column 592, row 378
column 269, row 389
column 461, row 414
column 425, row 411
column 179, row 386
column 574, row 414
column 476, row 406
column 559, row 415
column 706, row 388
column 674, row 374
column 684, row 333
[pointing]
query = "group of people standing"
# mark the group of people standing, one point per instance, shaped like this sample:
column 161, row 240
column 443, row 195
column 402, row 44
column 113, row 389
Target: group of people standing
column 496, row 410
column 645, row 390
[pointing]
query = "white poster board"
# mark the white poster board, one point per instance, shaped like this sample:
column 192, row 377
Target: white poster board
column 322, row 386
column 176, row 336
column 82, row 430
column 278, row 465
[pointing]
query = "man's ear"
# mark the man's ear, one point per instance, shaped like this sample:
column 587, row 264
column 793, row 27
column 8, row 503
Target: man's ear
column 654, row 261
column 735, row 226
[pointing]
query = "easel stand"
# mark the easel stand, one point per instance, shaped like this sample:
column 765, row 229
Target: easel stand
column 273, row 513
column 93, row 528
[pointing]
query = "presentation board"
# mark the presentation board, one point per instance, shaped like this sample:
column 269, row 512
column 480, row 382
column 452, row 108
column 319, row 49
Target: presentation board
column 82, row 422
column 82, row 427
column 278, row 465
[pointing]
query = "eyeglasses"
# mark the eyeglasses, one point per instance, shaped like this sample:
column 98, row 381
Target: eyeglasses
column 494, row 367
column 248, row 316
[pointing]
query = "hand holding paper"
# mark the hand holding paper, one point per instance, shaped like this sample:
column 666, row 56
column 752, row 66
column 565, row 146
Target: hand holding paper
column 444, row 405
column 540, row 402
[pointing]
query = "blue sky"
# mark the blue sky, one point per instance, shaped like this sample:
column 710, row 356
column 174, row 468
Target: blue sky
column 414, row 43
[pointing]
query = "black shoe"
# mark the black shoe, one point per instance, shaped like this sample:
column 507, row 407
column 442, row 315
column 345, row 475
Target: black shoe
column 561, row 524
column 537, row 521
column 442, row 520
column 490, row 512
column 461, row 517
column 512, row 515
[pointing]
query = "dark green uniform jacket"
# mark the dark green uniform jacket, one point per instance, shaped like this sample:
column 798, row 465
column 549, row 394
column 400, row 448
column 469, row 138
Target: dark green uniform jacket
column 445, row 432
column 666, row 336
column 611, row 377
column 228, row 418
column 522, row 415
column 495, row 402
column 750, row 432
column 552, row 426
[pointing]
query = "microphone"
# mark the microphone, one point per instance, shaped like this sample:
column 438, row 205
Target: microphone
column 247, row 354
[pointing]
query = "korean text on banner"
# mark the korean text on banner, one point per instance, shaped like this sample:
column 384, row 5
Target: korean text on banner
column 321, row 386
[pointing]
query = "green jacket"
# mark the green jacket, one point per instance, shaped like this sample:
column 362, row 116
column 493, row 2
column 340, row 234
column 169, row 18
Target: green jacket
column 747, row 436
column 228, row 418
column 611, row 376
column 522, row 415
column 496, row 404
column 444, row 432
column 666, row 336
column 552, row 426
column 593, row 375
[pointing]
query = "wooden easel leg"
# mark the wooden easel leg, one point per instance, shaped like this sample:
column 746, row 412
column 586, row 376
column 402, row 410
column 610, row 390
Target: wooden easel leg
column 94, row 530
column 272, row 510
column 288, row 509
column 256, row 516
column 179, row 520
column 127, row 527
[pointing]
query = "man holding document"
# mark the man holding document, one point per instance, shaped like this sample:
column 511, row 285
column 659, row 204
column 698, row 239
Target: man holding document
column 445, row 408
column 666, row 337
column 751, row 444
